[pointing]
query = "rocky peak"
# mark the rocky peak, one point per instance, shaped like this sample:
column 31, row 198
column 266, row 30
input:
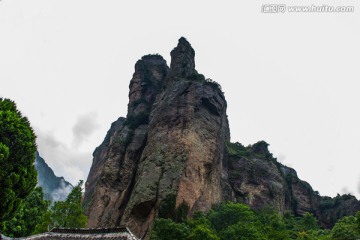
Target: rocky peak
column 146, row 82
column 112, row 176
column 287, row 171
column 167, row 153
column 261, row 147
column 182, row 61
column 172, row 156
column 54, row 188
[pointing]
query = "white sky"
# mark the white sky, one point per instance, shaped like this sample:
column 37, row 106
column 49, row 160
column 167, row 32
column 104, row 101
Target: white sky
column 291, row 79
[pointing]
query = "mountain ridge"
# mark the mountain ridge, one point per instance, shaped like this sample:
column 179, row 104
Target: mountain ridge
column 54, row 188
column 172, row 154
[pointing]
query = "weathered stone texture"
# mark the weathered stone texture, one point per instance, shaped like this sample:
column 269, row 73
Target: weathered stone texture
column 175, row 144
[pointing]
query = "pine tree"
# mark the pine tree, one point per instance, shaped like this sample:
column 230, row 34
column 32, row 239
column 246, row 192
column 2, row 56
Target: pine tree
column 17, row 156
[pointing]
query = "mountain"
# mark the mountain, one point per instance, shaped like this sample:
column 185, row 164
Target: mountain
column 172, row 155
column 55, row 188
column 258, row 179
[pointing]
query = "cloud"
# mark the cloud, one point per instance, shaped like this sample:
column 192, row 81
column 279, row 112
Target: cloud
column 47, row 139
column 69, row 162
column 84, row 127
column 61, row 193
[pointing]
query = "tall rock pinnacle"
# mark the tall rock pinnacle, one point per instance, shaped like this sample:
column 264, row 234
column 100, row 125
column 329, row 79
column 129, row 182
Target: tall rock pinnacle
column 169, row 151
column 113, row 172
column 182, row 61
column 181, row 164
column 148, row 78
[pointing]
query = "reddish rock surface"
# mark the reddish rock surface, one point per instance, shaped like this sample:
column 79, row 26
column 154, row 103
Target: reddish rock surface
column 173, row 151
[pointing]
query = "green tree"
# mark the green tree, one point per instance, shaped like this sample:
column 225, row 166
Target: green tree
column 358, row 221
column 235, row 221
column 243, row 231
column 305, row 227
column 273, row 224
column 345, row 229
column 69, row 213
column 303, row 235
column 226, row 214
column 17, row 155
column 202, row 232
column 309, row 222
column 45, row 224
column 165, row 229
column 29, row 214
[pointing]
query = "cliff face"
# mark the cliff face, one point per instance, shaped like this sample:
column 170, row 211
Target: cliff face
column 168, row 151
column 172, row 155
column 257, row 179
column 113, row 173
column 185, row 145
column 54, row 188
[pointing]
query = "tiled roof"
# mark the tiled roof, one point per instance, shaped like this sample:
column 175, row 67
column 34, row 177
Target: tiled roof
column 90, row 230
column 120, row 233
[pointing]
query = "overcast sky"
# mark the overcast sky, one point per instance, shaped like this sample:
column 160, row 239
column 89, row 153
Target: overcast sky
column 291, row 79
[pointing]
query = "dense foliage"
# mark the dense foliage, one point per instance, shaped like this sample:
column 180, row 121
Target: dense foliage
column 233, row 221
column 17, row 155
column 34, row 215
column 23, row 210
column 68, row 213
column 206, row 81
column 29, row 214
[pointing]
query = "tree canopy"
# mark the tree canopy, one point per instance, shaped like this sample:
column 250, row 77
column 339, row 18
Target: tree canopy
column 36, row 216
column 17, row 155
column 30, row 213
column 70, row 213
column 236, row 221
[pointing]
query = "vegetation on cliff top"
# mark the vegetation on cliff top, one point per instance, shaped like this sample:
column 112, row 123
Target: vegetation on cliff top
column 259, row 150
column 197, row 77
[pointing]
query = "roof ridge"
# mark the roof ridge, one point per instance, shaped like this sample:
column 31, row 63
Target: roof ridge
column 121, row 232
column 90, row 230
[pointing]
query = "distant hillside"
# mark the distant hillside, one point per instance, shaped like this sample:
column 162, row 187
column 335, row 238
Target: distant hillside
column 55, row 188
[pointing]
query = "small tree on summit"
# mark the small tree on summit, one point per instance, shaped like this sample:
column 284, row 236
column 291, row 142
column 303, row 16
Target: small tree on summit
column 17, row 155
